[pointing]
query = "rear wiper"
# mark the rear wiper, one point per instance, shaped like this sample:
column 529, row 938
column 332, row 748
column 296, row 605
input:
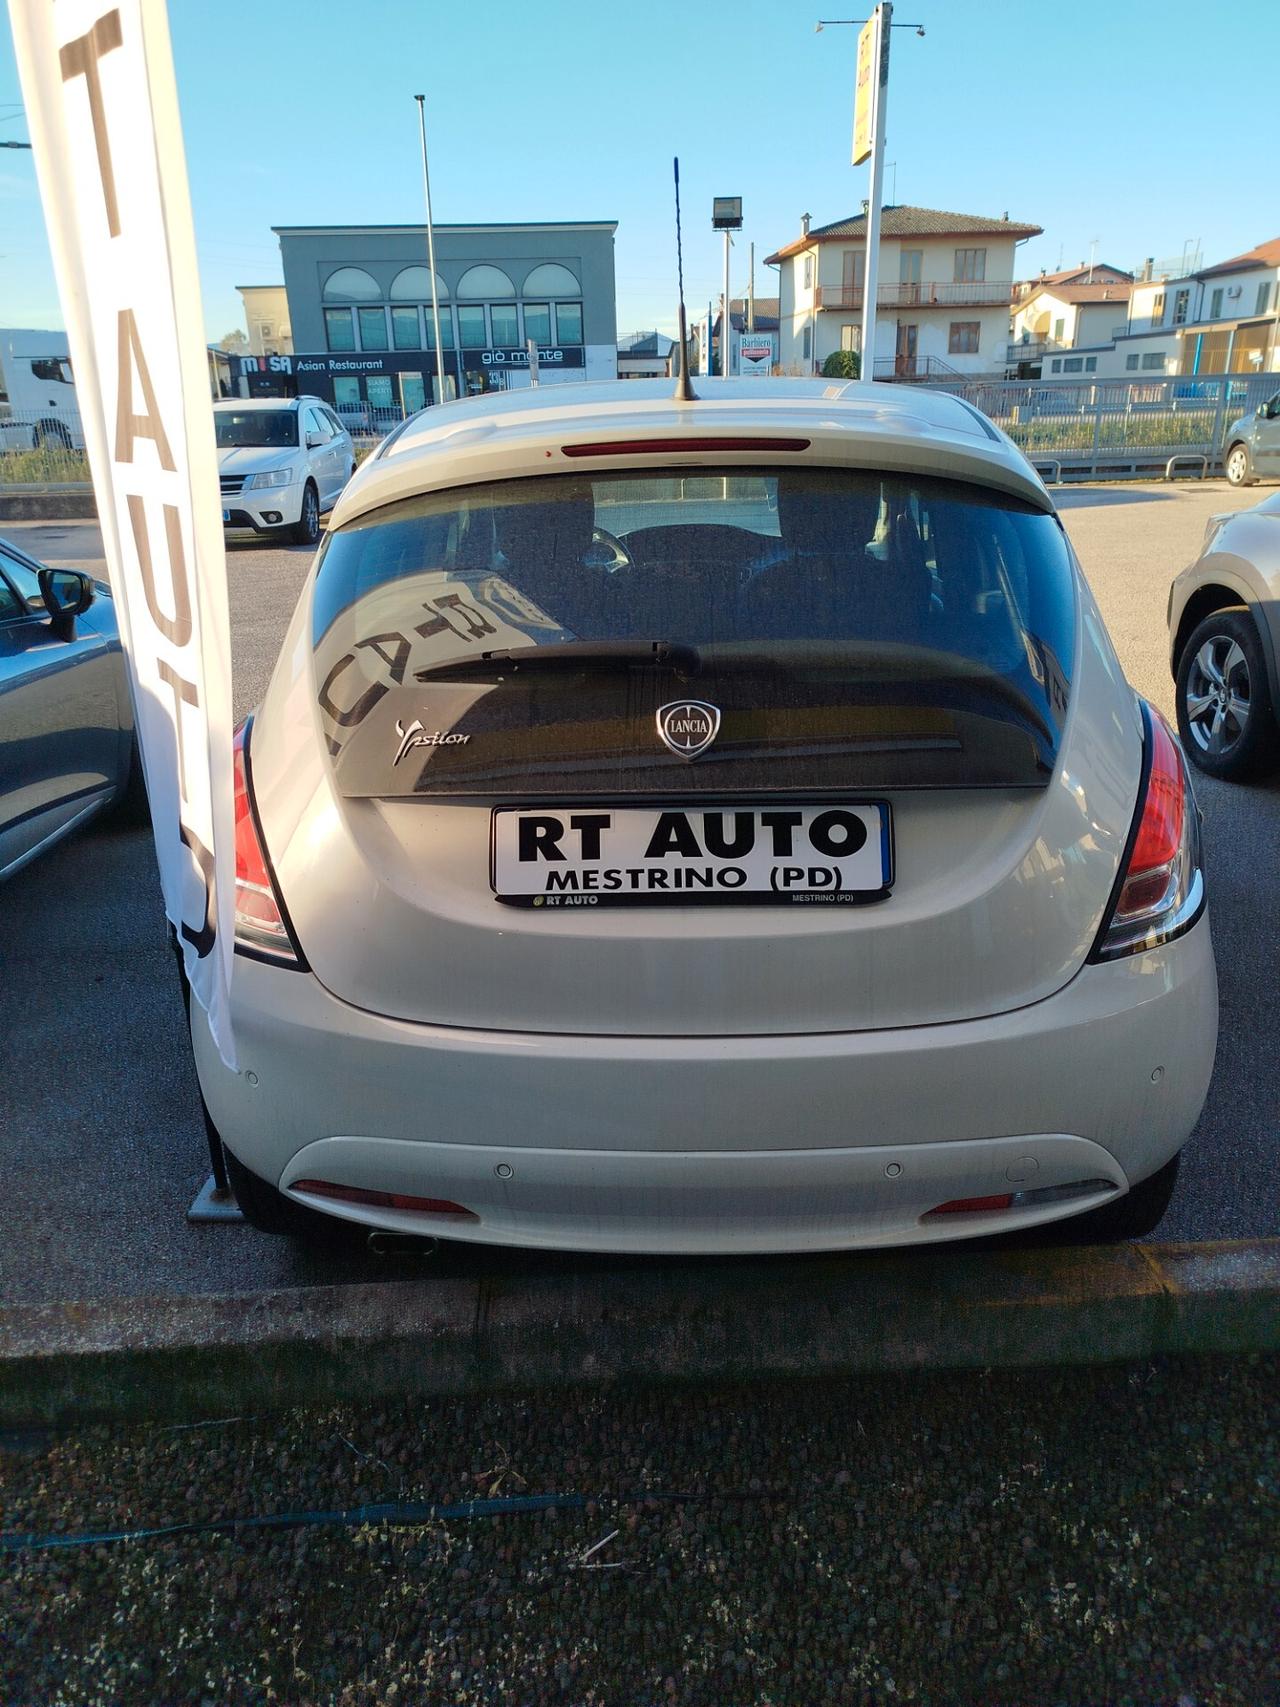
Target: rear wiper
column 601, row 654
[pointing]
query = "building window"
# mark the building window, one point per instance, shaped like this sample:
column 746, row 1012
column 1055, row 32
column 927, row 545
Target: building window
column 551, row 279
column 1215, row 304
column 1131, row 362
column 1057, row 366
column 537, row 322
column 568, row 322
column 1264, row 299
column 446, row 327
column 1153, row 363
column 373, row 328
column 378, row 389
column 471, row 330
column 808, row 272
column 1091, row 364
column 1180, row 300
column 506, row 325
column 338, row 330
column 806, row 343
column 1058, row 327
column 963, row 340
column 971, row 266
column 1157, row 309
column 351, row 284
column 851, row 338
column 405, row 333
column 1072, row 364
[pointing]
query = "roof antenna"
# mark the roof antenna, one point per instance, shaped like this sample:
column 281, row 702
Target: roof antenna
column 684, row 391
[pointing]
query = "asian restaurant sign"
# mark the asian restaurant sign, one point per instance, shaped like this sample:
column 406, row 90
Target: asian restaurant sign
column 101, row 101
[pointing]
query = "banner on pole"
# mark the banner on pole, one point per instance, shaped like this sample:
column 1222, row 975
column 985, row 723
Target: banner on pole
column 864, row 90
column 102, row 104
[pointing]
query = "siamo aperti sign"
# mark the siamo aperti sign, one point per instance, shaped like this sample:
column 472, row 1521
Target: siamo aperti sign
column 102, row 105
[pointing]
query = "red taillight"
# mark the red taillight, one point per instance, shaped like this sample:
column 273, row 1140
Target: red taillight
column 692, row 442
column 971, row 1205
column 1160, row 830
column 382, row 1199
column 260, row 924
column 1160, row 891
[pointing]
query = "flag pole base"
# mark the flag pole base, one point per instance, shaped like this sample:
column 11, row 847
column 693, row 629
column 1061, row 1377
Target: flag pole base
column 213, row 1204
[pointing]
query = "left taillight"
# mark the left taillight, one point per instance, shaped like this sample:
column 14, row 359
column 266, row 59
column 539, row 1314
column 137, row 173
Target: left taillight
column 261, row 929
column 1160, row 890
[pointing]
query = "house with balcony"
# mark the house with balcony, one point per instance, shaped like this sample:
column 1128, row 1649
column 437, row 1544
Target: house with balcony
column 1064, row 315
column 1223, row 318
column 942, row 299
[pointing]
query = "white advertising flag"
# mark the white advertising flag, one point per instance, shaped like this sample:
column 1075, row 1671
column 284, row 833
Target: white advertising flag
column 102, row 105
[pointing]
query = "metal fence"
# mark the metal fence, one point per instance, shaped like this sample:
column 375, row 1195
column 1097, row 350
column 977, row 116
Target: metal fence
column 41, row 449
column 1118, row 426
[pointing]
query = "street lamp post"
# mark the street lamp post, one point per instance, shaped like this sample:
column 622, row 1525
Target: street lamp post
column 726, row 216
column 431, row 249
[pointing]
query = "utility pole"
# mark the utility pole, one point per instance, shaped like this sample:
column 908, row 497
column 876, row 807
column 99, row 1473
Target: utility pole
column 870, row 109
column 878, row 52
column 751, row 291
column 726, row 216
column 431, row 249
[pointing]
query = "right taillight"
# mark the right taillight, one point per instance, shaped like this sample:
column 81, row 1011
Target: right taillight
column 1160, row 890
column 262, row 929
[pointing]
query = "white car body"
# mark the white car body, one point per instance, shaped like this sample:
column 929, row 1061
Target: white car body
column 698, row 1078
column 264, row 487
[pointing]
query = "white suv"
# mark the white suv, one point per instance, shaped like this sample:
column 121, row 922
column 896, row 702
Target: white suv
column 282, row 461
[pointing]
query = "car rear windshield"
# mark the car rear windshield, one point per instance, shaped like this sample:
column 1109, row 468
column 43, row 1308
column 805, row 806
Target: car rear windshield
column 242, row 429
column 853, row 629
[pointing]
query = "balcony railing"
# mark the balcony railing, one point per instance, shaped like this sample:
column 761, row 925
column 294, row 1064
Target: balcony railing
column 976, row 293
column 1030, row 350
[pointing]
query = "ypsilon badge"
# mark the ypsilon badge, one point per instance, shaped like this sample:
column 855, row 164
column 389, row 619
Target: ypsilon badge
column 416, row 736
column 688, row 726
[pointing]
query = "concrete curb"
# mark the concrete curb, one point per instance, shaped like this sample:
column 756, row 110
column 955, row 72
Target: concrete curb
column 48, row 504
column 943, row 1308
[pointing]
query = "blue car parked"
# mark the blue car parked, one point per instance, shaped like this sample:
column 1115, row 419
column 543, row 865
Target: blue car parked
column 67, row 747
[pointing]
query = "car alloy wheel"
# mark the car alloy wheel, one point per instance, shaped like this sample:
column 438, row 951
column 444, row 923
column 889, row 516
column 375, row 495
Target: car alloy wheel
column 1224, row 700
column 308, row 529
column 1218, row 695
column 1238, row 465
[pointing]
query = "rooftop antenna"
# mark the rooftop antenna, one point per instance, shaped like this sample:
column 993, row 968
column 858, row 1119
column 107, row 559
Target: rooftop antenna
column 684, row 390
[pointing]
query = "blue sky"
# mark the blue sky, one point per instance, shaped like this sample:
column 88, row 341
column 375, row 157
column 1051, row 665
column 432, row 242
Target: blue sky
column 1087, row 120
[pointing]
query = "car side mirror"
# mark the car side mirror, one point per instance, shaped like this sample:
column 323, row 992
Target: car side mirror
column 314, row 439
column 66, row 593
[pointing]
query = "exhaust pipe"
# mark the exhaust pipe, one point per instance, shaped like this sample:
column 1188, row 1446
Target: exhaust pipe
column 380, row 1244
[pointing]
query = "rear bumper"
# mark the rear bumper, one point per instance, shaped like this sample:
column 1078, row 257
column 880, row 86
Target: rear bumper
column 720, row 1144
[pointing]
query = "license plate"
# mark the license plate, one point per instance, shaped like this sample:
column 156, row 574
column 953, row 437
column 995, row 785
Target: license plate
column 620, row 856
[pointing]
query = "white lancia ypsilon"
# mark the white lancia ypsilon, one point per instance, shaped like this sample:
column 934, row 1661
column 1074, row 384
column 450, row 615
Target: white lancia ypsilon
column 708, row 826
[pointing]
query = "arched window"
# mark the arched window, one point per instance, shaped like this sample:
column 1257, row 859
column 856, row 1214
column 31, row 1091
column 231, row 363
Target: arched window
column 479, row 284
column 551, row 280
column 413, row 284
column 351, row 284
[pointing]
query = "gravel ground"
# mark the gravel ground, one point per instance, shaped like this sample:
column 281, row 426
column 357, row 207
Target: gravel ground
column 1103, row 1537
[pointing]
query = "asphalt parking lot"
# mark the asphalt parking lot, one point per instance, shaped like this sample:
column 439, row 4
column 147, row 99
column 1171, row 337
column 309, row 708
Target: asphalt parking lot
column 103, row 1146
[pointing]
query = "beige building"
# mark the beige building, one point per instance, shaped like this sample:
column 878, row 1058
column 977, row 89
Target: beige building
column 1060, row 316
column 266, row 314
column 942, row 301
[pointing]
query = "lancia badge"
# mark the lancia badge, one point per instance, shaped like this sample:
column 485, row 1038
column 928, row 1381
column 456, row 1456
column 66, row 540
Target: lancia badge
column 688, row 726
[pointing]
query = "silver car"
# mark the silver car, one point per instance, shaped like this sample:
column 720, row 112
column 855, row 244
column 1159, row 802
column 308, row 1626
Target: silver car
column 1224, row 642
column 1251, row 447
column 710, row 825
column 67, row 748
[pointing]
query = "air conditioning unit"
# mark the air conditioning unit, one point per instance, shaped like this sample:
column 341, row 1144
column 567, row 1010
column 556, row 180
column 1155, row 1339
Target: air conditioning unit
column 1235, row 290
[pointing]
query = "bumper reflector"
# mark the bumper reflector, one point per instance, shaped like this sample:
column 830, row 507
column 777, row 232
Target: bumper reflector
column 383, row 1199
column 1022, row 1199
